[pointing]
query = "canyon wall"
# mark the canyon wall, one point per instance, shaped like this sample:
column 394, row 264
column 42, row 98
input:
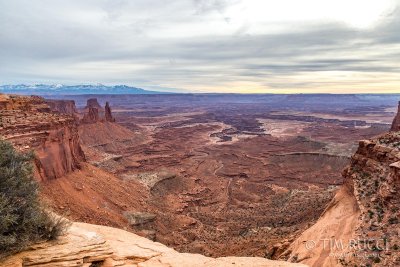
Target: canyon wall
column 29, row 124
column 361, row 226
column 62, row 106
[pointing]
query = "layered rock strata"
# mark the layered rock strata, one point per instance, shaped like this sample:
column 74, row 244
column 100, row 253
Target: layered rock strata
column 29, row 124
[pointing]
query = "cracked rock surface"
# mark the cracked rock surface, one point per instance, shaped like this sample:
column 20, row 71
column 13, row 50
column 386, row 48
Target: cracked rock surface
column 94, row 245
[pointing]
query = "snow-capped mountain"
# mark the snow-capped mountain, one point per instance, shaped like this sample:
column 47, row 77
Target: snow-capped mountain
column 59, row 89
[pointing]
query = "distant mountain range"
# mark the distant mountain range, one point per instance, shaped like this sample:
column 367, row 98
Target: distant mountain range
column 59, row 89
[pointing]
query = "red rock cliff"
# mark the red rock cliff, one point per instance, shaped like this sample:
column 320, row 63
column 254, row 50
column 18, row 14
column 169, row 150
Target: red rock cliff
column 28, row 123
column 364, row 211
column 396, row 121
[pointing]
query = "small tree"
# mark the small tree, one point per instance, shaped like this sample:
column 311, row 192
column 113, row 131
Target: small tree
column 23, row 220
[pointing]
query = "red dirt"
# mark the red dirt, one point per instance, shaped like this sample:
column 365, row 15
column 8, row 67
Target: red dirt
column 218, row 184
column 223, row 198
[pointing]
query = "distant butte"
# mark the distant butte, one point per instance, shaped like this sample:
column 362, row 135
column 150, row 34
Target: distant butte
column 92, row 102
column 396, row 121
column 93, row 112
column 108, row 116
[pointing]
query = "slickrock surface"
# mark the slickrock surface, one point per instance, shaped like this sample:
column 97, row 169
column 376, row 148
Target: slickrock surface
column 86, row 245
column 396, row 121
column 29, row 124
column 366, row 210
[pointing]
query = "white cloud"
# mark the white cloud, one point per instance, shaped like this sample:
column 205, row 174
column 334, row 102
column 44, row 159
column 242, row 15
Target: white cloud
column 213, row 45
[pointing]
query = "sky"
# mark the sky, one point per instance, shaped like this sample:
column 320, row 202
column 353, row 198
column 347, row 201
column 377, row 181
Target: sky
column 238, row 46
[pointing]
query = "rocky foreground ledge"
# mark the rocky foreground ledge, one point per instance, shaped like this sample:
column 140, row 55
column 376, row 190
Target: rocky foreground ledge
column 89, row 245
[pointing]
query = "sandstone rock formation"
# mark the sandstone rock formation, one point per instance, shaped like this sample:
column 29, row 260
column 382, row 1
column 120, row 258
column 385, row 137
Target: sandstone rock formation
column 108, row 116
column 23, row 103
column 364, row 216
column 396, row 121
column 93, row 112
column 93, row 245
column 92, row 116
column 29, row 124
column 62, row 106
column 92, row 102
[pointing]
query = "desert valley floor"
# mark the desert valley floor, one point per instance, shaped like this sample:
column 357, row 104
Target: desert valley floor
column 216, row 175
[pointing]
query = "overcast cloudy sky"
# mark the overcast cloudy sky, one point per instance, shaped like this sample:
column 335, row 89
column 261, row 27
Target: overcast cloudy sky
column 264, row 46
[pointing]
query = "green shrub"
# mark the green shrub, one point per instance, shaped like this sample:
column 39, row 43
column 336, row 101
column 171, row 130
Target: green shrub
column 23, row 220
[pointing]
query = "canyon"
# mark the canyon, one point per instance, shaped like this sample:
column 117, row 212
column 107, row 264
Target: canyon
column 364, row 211
column 215, row 175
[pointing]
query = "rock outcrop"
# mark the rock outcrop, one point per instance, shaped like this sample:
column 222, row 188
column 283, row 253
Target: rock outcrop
column 62, row 106
column 92, row 103
column 29, row 124
column 107, row 115
column 361, row 226
column 92, row 116
column 23, row 103
column 93, row 245
column 396, row 122
column 93, row 112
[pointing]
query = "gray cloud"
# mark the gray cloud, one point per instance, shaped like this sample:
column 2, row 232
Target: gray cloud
column 154, row 43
